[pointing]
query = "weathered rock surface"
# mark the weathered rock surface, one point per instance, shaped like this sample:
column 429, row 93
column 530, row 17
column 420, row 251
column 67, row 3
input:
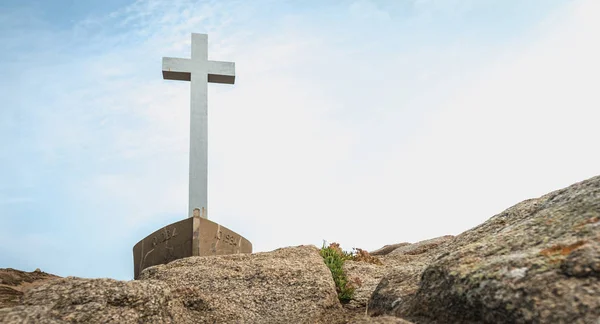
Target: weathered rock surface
column 386, row 249
column 367, row 276
column 536, row 262
column 286, row 285
column 403, row 257
column 425, row 247
column 13, row 283
column 379, row 320
column 77, row 300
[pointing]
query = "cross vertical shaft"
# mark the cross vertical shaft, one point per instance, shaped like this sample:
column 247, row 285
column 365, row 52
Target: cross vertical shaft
column 198, row 185
column 199, row 70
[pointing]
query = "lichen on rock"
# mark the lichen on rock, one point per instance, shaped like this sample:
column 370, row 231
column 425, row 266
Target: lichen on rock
column 536, row 261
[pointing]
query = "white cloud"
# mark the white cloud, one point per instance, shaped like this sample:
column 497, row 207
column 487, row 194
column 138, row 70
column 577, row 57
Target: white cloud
column 320, row 138
column 523, row 126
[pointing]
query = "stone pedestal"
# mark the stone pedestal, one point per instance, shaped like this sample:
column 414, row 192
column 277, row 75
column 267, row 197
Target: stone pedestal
column 195, row 236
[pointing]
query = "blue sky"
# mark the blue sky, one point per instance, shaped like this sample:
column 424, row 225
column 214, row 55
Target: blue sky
column 361, row 122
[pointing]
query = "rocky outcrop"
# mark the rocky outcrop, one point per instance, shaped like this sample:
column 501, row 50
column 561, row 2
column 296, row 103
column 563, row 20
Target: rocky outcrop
column 14, row 283
column 78, row 300
column 537, row 261
column 405, row 258
column 423, row 248
column 379, row 320
column 386, row 249
column 286, row 285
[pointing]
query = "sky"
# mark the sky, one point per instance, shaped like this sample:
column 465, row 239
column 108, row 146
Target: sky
column 360, row 122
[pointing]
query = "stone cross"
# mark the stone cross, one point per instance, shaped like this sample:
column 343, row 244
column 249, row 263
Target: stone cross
column 199, row 70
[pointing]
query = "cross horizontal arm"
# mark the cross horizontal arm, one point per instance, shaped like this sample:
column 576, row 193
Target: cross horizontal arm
column 221, row 72
column 176, row 68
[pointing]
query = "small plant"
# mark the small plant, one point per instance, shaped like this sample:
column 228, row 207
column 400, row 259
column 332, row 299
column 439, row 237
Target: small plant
column 364, row 256
column 334, row 258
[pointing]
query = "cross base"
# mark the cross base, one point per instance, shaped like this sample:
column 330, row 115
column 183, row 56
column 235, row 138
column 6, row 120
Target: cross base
column 194, row 236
